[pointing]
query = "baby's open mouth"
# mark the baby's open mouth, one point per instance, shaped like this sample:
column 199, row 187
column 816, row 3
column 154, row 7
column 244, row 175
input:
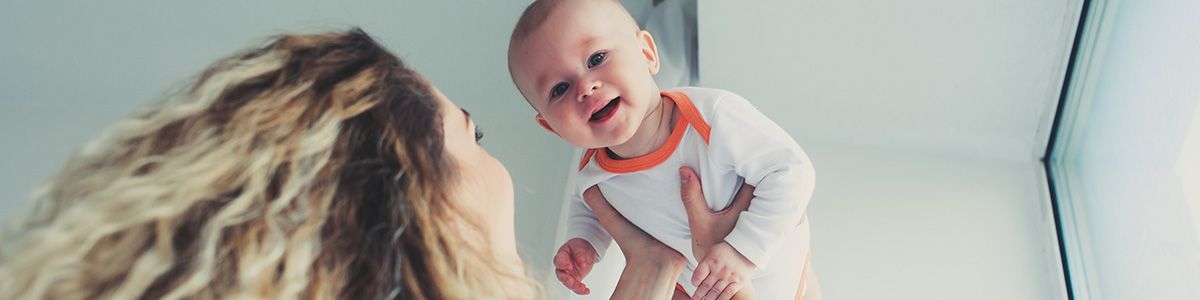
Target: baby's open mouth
column 607, row 111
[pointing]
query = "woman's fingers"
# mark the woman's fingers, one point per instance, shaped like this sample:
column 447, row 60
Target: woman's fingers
column 705, row 288
column 701, row 272
column 730, row 290
column 617, row 226
column 701, row 291
column 596, row 201
column 717, row 289
column 693, row 193
column 609, row 218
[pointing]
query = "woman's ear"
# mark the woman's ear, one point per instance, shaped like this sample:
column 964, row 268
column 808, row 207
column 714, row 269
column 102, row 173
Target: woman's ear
column 545, row 125
column 650, row 51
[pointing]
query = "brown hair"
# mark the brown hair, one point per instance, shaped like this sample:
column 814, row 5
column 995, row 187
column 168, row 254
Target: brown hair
column 312, row 167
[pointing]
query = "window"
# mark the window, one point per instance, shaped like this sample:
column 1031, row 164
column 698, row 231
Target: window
column 1125, row 160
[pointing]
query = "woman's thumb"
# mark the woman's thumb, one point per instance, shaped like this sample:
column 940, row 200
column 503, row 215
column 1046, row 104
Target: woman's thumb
column 595, row 200
column 691, row 192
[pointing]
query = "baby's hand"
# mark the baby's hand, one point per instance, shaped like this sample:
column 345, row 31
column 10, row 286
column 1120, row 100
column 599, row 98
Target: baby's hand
column 572, row 262
column 722, row 274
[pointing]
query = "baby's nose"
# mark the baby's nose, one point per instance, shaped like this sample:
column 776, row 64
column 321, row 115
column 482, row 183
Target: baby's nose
column 591, row 89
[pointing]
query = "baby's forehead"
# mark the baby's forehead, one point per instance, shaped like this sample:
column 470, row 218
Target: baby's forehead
column 587, row 13
column 564, row 25
column 596, row 13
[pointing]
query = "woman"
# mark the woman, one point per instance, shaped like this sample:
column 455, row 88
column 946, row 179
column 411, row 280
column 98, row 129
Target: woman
column 317, row 166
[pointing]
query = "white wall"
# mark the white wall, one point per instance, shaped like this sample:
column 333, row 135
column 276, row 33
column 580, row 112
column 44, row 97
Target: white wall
column 70, row 68
column 1130, row 159
column 977, row 78
column 925, row 121
column 915, row 225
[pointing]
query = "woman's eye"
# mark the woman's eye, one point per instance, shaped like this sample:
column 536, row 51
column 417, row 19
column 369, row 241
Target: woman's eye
column 595, row 60
column 559, row 89
column 478, row 135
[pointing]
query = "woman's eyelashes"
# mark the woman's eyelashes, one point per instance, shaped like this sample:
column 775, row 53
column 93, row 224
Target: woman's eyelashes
column 478, row 135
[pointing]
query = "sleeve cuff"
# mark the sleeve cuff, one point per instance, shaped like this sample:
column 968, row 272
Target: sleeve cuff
column 599, row 239
column 748, row 247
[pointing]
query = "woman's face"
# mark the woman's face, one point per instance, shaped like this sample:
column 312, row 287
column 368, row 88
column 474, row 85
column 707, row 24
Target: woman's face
column 485, row 185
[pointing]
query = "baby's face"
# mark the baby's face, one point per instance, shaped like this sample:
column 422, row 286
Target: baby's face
column 588, row 72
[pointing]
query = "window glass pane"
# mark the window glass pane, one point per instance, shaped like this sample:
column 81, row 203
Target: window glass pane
column 1127, row 165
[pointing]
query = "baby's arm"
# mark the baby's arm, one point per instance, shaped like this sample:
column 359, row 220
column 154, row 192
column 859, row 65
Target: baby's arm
column 582, row 223
column 743, row 139
column 768, row 158
column 586, row 239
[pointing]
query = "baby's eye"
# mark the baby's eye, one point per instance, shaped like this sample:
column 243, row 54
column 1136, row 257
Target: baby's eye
column 596, row 59
column 559, row 89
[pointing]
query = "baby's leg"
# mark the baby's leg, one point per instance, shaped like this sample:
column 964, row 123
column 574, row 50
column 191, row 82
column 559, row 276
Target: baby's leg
column 810, row 289
column 783, row 279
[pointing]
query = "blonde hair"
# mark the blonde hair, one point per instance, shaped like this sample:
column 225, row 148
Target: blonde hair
column 312, row 167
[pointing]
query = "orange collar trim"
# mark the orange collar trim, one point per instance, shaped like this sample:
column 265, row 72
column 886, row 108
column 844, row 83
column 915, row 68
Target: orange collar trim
column 690, row 116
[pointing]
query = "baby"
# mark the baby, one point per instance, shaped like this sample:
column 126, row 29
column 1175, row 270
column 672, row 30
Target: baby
column 586, row 68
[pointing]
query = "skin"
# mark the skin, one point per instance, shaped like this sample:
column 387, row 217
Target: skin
column 597, row 54
column 708, row 227
column 484, row 181
column 585, row 55
column 651, row 268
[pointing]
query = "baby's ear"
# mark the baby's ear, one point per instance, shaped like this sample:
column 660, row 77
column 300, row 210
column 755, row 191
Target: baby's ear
column 545, row 125
column 650, row 51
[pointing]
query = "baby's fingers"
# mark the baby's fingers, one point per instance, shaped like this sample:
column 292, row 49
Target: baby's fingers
column 571, row 282
column 583, row 264
column 562, row 261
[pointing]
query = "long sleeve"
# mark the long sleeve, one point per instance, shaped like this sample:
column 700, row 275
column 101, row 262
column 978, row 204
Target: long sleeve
column 770, row 160
column 583, row 223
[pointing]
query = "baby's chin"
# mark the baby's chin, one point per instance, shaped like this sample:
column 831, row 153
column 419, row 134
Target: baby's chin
column 611, row 141
column 596, row 143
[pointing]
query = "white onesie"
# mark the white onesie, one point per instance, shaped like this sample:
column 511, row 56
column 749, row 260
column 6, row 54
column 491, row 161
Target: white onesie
column 728, row 142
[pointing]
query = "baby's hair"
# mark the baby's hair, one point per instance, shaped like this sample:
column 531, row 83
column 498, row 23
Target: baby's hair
column 540, row 10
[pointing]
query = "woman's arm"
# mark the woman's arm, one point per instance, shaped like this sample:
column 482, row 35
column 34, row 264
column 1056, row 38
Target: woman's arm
column 651, row 267
column 710, row 227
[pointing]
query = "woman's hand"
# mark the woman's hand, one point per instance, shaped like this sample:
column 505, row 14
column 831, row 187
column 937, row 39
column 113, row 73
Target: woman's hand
column 709, row 229
column 651, row 267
